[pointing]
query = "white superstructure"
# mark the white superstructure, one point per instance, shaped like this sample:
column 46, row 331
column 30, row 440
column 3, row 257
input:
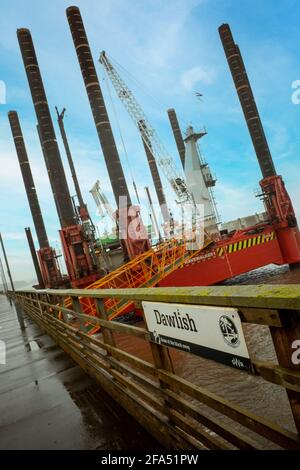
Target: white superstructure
column 199, row 179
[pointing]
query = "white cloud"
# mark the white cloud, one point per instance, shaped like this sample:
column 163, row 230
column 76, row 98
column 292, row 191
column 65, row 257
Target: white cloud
column 293, row 189
column 234, row 202
column 191, row 77
column 13, row 235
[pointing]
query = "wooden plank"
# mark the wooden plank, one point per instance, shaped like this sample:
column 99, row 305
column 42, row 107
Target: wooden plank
column 232, row 436
column 126, row 329
column 108, row 336
column 261, row 426
column 209, row 441
column 152, row 422
column 143, row 365
column 177, row 440
column 135, row 361
column 162, row 360
column 260, row 316
column 258, row 296
column 110, row 324
column 116, row 353
column 145, row 395
column 193, row 443
column 227, row 432
column 287, row 378
column 60, row 323
column 138, row 377
column 77, row 308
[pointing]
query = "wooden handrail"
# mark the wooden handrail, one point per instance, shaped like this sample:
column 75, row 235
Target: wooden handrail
column 280, row 296
column 158, row 398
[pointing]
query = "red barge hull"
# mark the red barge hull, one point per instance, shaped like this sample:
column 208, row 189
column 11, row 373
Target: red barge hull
column 237, row 255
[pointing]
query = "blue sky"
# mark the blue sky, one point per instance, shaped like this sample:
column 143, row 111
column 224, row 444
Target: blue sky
column 173, row 48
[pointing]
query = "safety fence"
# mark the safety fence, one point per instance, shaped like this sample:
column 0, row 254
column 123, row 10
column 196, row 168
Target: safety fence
column 173, row 409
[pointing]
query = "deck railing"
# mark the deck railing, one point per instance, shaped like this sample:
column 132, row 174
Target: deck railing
column 173, row 409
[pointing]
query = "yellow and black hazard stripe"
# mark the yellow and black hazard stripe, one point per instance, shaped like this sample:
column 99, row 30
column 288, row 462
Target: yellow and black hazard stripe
column 246, row 243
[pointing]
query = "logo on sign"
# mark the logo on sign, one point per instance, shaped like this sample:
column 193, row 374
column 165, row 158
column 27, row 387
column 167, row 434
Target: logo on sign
column 156, row 337
column 229, row 331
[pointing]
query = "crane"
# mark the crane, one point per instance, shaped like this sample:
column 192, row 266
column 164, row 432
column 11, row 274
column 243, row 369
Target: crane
column 149, row 134
column 102, row 202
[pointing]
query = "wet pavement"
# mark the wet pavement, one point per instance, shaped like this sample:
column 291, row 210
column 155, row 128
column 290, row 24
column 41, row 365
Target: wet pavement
column 48, row 402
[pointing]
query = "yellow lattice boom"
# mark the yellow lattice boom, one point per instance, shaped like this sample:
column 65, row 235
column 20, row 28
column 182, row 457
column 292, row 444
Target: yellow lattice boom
column 146, row 270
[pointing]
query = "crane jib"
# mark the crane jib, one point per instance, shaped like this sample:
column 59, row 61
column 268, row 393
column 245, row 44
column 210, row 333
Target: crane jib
column 149, row 134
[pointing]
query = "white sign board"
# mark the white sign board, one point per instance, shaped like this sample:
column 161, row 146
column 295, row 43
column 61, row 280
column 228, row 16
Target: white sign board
column 212, row 332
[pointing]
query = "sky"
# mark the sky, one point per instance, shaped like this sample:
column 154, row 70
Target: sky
column 168, row 50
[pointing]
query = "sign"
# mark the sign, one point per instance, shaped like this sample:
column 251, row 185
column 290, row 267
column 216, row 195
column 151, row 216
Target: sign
column 211, row 332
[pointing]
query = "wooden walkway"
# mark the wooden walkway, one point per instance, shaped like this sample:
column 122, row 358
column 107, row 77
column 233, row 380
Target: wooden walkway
column 180, row 413
column 48, row 402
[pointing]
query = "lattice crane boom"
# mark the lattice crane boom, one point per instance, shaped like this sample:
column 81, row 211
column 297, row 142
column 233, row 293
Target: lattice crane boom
column 149, row 134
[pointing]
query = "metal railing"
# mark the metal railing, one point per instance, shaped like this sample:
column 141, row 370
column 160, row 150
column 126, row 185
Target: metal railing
column 173, row 409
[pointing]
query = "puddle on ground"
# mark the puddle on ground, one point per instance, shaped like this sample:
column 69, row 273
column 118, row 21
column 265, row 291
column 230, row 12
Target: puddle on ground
column 33, row 346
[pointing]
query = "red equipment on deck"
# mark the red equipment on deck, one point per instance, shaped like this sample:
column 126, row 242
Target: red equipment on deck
column 77, row 257
column 282, row 216
column 246, row 250
column 275, row 242
column 53, row 279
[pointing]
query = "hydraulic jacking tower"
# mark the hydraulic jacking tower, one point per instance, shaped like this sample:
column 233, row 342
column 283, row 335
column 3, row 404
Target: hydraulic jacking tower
column 177, row 134
column 154, row 172
column 80, row 266
column 137, row 241
column 51, row 275
column 41, row 284
column 81, row 210
column 274, row 194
